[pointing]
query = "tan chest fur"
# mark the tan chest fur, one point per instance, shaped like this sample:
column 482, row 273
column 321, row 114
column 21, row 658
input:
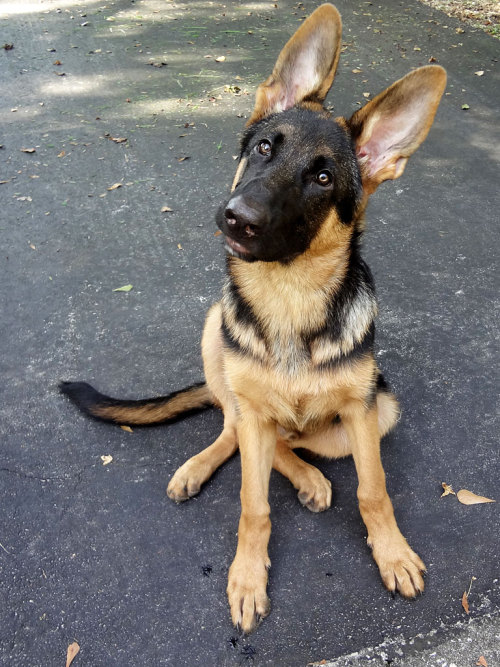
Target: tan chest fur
column 303, row 402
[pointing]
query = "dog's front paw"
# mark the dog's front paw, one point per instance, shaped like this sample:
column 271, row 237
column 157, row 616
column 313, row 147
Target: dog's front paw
column 187, row 480
column 246, row 591
column 400, row 567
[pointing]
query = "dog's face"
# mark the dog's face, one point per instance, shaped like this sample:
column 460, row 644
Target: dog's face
column 297, row 168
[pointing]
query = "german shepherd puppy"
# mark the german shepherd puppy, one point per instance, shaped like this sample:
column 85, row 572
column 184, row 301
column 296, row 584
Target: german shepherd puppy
column 288, row 350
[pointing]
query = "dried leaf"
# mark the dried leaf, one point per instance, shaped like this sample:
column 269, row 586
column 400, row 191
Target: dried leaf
column 60, row 73
column 166, row 209
column 28, row 150
column 220, row 59
column 465, row 602
column 62, row 154
column 57, row 62
column 73, row 650
column 447, row 489
column 218, row 233
column 106, row 459
column 356, row 71
column 182, row 159
column 468, row 498
column 432, row 59
column 480, row 73
column 366, row 94
column 417, row 48
column 126, row 428
column 117, row 140
column 481, row 661
column 115, row 186
column 179, row 246
column 124, row 288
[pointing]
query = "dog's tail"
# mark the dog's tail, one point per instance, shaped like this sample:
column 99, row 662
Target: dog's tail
column 142, row 412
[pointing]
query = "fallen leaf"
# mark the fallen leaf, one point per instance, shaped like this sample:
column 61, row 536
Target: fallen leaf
column 366, row 94
column 73, row 650
column 166, row 209
column 459, row 31
column 179, row 246
column 181, row 159
column 8, row 47
column 126, row 428
column 465, row 602
column 57, row 62
column 60, row 73
column 356, row 71
column 62, row 154
column 417, row 48
column 481, row 661
column 28, row 150
column 33, row 247
column 218, row 233
column 465, row 107
column 115, row 186
column 480, row 73
column 432, row 59
column 468, row 498
column 106, row 459
column 447, row 489
column 117, row 140
column 220, row 59
column 124, row 288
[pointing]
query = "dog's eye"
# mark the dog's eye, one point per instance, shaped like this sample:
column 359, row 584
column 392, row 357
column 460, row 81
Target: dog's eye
column 264, row 148
column 324, row 178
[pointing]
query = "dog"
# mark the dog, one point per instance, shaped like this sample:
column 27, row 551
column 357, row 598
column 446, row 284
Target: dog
column 288, row 351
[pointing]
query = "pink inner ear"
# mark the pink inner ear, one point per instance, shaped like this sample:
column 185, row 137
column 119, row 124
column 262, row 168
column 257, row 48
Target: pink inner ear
column 392, row 136
column 299, row 77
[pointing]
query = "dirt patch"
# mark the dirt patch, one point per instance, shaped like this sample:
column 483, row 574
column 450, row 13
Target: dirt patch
column 476, row 13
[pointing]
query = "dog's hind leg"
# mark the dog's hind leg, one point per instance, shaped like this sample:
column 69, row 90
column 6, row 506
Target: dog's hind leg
column 188, row 479
column 314, row 490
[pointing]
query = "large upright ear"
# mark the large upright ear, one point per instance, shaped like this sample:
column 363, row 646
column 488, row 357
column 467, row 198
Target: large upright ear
column 305, row 67
column 391, row 127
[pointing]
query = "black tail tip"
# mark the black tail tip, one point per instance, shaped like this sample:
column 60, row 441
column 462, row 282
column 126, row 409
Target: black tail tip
column 81, row 393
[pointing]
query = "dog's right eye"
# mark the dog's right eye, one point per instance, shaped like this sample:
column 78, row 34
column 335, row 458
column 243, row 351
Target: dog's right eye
column 264, row 147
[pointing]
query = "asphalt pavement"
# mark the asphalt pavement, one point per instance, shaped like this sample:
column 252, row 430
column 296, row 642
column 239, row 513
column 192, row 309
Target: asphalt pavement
column 119, row 131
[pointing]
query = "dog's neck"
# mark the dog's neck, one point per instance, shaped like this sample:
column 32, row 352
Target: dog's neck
column 286, row 294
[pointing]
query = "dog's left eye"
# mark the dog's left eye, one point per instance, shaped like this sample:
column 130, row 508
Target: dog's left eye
column 264, row 147
column 324, row 178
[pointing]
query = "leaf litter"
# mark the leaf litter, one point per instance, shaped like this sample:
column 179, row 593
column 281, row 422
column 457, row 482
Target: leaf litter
column 73, row 650
column 468, row 498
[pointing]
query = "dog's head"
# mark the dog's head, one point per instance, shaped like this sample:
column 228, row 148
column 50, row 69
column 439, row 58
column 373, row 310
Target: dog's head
column 300, row 169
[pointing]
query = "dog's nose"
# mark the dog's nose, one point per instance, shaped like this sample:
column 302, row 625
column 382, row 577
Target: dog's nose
column 241, row 215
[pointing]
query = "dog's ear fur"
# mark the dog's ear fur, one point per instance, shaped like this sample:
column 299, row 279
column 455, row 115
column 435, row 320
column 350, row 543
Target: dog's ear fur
column 389, row 128
column 305, row 67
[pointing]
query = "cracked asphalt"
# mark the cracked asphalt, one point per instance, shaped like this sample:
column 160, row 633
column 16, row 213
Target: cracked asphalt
column 137, row 94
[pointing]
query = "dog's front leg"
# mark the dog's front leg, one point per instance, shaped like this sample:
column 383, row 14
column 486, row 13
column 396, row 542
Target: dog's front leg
column 247, row 582
column 399, row 566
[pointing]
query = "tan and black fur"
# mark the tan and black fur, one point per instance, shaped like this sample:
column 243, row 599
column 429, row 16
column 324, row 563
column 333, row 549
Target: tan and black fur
column 288, row 350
